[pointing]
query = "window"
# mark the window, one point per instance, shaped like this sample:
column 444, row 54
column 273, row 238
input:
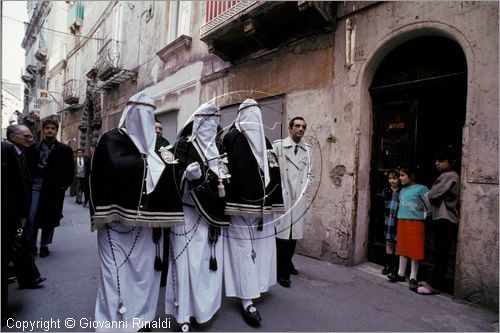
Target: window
column 169, row 123
column 273, row 117
column 179, row 19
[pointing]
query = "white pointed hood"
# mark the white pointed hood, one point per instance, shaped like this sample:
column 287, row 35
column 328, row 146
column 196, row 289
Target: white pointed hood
column 206, row 119
column 249, row 123
column 138, row 122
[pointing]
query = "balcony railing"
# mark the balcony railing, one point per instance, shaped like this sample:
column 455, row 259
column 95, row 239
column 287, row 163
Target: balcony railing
column 220, row 13
column 216, row 8
column 234, row 30
column 75, row 17
column 109, row 66
column 108, row 60
column 32, row 68
column 41, row 51
column 70, row 92
column 35, row 106
column 28, row 78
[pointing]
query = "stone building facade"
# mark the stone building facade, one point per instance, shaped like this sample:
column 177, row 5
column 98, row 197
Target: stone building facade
column 379, row 83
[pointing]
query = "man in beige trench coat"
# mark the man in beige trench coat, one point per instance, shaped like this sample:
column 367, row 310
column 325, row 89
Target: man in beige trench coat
column 295, row 160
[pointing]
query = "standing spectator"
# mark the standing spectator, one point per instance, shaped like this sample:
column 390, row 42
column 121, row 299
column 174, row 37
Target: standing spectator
column 133, row 190
column 443, row 197
column 194, row 287
column 160, row 140
column 254, row 196
column 82, row 168
column 87, row 162
column 390, row 195
column 411, row 229
column 294, row 156
column 162, row 144
column 51, row 166
column 16, row 198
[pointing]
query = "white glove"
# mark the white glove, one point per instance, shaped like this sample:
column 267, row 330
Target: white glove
column 193, row 171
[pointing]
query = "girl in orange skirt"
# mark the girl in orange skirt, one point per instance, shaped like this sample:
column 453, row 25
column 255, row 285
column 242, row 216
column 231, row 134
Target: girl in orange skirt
column 411, row 229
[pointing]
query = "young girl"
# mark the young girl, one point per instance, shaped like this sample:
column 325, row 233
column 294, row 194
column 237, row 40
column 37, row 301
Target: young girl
column 411, row 229
column 391, row 202
column 443, row 197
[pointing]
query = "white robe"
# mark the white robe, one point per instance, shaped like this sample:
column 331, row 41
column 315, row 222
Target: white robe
column 244, row 278
column 266, row 254
column 139, row 282
column 190, row 283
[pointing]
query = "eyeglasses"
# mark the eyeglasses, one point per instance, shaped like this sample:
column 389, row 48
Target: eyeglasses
column 26, row 136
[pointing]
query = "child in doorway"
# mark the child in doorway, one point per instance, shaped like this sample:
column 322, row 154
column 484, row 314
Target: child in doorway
column 411, row 228
column 443, row 197
column 391, row 203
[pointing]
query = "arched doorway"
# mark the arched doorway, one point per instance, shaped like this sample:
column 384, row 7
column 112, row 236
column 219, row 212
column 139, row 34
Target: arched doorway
column 419, row 103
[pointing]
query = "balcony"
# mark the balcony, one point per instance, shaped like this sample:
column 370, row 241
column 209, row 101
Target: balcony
column 41, row 51
column 75, row 17
column 236, row 29
column 32, row 69
column 42, row 67
column 109, row 67
column 70, row 92
column 28, row 78
column 35, row 106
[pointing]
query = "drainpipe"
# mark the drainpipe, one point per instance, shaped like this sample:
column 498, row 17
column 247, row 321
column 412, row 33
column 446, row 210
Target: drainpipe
column 354, row 209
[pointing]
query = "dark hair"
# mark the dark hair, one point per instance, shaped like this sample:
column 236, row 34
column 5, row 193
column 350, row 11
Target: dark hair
column 411, row 171
column 157, row 120
column 393, row 171
column 80, row 149
column 446, row 154
column 51, row 122
column 291, row 123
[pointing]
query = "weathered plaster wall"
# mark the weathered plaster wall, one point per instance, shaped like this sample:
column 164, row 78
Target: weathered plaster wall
column 68, row 128
column 376, row 31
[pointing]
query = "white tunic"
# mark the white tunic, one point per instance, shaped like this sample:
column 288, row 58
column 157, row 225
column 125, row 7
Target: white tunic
column 190, row 283
column 266, row 254
column 139, row 282
column 244, row 278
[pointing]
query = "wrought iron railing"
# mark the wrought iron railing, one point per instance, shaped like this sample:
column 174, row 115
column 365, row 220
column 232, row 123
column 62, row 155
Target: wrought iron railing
column 70, row 91
column 218, row 13
column 108, row 59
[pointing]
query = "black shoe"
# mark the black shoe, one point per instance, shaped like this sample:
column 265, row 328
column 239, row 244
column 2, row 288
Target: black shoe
column 184, row 327
column 387, row 269
column 413, row 285
column 44, row 251
column 33, row 284
column 252, row 316
column 294, row 271
column 395, row 277
column 6, row 315
column 85, row 204
column 284, row 282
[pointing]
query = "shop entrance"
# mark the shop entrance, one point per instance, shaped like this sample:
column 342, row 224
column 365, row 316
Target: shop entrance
column 419, row 102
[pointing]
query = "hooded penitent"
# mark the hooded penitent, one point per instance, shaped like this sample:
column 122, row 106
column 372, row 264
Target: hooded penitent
column 130, row 182
column 138, row 121
column 249, row 123
column 197, row 143
column 205, row 122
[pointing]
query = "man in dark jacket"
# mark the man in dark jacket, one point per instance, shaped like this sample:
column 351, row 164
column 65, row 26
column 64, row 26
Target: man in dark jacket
column 16, row 197
column 51, row 166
